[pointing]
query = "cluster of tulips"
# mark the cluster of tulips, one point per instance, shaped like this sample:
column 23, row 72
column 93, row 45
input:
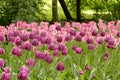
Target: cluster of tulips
column 31, row 37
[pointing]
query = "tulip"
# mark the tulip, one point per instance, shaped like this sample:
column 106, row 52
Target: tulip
column 90, row 46
column 16, row 51
column 60, row 66
column 43, row 34
column 81, row 72
column 2, row 38
column 78, row 50
column 88, row 67
column 27, row 45
column 58, row 28
column 118, row 34
column 24, row 37
column 48, row 58
column 56, row 53
column 94, row 33
column 1, row 51
column 68, row 37
column 6, row 69
column 82, row 33
column 59, row 38
column 18, row 41
column 89, row 40
column 5, row 76
column 72, row 32
column 31, row 62
column 39, row 55
column 1, row 62
column 35, row 42
column 32, row 35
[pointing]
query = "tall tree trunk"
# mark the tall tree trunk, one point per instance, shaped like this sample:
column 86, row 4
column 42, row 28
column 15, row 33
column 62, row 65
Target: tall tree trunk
column 78, row 11
column 65, row 9
column 54, row 11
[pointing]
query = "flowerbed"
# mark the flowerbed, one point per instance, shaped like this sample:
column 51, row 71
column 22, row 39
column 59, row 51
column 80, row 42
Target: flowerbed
column 76, row 51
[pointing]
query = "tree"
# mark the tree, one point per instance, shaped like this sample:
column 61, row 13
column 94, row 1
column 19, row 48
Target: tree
column 65, row 10
column 26, row 10
column 54, row 11
column 78, row 11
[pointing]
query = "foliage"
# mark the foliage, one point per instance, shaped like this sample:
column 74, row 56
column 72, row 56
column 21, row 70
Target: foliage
column 26, row 10
column 103, row 9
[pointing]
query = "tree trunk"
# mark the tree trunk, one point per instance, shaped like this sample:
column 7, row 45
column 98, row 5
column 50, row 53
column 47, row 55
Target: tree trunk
column 54, row 11
column 78, row 11
column 65, row 10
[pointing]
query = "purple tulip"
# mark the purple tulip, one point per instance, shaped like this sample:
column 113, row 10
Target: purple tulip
column 15, row 33
column 43, row 40
column 118, row 34
column 11, row 38
column 5, row 76
column 27, row 46
column 74, row 47
column 68, row 37
column 60, row 66
column 107, row 39
column 94, row 33
column 82, row 33
column 6, row 70
column 58, row 28
column 2, row 51
column 102, row 33
column 78, row 38
column 65, row 51
column 105, row 58
column 56, row 53
column 109, row 46
column 107, row 54
column 23, row 37
column 23, row 74
column 43, row 34
column 31, row 62
column 2, row 38
column 111, row 42
column 61, row 47
column 48, row 40
column 16, row 51
column 24, row 68
column 1, row 62
column 88, row 67
column 89, row 40
column 59, row 38
column 52, row 46
column 81, row 72
column 18, row 41
column 39, row 55
column 32, row 35
column 48, row 58
column 100, row 41
column 90, row 46
column 72, row 32
column 35, row 42
column 78, row 50
column 10, row 34
column 38, row 37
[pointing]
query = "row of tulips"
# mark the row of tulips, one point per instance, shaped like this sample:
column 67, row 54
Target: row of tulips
column 32, row 37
